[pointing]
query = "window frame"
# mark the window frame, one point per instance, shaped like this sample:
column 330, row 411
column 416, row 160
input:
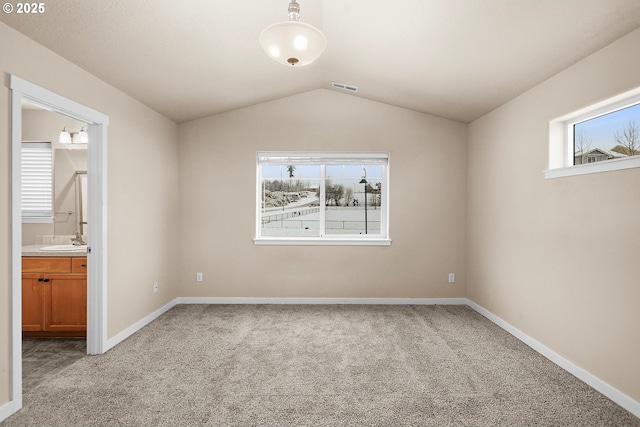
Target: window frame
column 322, row 159
column 561, row 139
column 44, row 216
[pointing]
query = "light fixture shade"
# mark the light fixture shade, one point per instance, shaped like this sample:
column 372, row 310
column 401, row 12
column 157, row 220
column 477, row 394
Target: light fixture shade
column 65, row 137
column 81, row 137
column 293, row 43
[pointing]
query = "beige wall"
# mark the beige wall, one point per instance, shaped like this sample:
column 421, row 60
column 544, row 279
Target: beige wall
column 218, row 197
column 142, row 188
column 559, row 258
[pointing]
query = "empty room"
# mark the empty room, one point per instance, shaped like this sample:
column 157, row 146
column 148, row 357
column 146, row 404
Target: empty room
column 320, row 213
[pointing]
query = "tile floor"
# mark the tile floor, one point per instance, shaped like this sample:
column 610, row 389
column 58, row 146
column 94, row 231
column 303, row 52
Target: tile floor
column 43, row 356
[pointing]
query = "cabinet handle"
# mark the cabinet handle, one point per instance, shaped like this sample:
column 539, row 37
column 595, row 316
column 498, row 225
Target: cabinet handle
column 45, row 280
column 83, row 265
column 40, row 279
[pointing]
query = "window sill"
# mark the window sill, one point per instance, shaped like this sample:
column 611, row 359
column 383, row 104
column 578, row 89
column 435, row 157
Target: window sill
column 323, row 241
column 604, row 166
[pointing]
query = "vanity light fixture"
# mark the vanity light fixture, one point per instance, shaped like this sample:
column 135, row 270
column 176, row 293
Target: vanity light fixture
column 65, row 136
column 293, row 43
column 80, row 137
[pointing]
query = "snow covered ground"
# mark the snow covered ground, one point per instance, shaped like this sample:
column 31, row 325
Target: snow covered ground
column 339, row 220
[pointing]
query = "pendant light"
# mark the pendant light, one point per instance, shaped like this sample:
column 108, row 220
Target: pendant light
column 293, row 43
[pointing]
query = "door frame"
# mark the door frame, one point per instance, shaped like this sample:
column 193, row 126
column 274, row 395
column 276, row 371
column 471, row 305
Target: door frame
column 97, row 216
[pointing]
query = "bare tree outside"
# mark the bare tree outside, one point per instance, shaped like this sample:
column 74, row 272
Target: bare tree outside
column 628, row 140
column 333, row 192
column 582, row 143
column 348, row 195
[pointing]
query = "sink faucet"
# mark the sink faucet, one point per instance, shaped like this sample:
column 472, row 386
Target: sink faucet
column 78, row 240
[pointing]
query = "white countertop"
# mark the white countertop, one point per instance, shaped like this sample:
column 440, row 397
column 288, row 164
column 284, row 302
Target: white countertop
column 34, row 250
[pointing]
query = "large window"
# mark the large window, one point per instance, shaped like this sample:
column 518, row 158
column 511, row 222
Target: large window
column 37, row 182
column 322, row 198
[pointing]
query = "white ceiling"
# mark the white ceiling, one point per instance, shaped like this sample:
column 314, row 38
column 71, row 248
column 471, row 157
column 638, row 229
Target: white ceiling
column 457, row 59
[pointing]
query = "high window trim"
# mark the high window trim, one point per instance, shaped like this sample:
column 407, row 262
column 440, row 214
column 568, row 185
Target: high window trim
column 561, row 139
column 322, row 159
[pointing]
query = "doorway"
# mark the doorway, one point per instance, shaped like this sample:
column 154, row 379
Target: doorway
column 96, row 190
column 54, row 285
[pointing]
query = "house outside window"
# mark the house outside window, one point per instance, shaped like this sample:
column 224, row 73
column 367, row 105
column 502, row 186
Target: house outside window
column 596, row 155
column 322, row 198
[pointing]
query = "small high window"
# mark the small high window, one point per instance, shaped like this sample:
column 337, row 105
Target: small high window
column 603, row 137
column 322, row 198
column 614, row 135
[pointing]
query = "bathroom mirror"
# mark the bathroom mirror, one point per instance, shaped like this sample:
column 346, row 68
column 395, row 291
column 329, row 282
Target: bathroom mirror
column 69, row 172
column 70, row 191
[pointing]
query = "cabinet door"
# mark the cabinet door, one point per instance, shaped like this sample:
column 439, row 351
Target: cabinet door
column 33, row 293
column 67, row 303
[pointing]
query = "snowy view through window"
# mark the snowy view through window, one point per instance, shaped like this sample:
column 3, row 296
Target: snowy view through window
column 611, row 136
column 292, row 196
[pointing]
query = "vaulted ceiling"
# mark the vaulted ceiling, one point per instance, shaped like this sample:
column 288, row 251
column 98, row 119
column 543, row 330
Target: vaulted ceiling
column 457, row 59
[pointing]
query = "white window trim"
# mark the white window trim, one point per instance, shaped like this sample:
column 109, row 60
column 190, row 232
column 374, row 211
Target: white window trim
column 561, row 150
column 321, row 241
column 381, row 239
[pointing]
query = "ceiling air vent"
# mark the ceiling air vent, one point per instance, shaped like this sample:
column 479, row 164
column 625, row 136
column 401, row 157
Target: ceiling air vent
column 343, row 86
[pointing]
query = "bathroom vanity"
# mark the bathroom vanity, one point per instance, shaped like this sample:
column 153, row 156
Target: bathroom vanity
column 54, row 293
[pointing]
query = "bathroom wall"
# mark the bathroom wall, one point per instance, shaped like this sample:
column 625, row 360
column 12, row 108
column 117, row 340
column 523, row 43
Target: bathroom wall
column 44, row 126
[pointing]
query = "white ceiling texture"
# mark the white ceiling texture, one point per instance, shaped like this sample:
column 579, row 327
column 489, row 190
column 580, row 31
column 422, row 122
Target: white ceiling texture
column 457, row 59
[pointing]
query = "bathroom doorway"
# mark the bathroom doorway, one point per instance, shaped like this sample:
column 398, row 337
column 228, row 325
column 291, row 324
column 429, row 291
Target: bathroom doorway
column 54, row 215
column 96, row 123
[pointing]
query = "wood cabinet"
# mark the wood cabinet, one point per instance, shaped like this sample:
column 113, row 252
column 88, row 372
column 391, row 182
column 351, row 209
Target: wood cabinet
column 54, row 296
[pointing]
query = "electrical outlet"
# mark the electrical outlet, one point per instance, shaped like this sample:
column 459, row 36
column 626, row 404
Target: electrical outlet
column 198, row 277
column 452, row 277
column 155, row 287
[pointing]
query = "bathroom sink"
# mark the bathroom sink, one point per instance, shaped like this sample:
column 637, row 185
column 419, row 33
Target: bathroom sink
column 65, row 248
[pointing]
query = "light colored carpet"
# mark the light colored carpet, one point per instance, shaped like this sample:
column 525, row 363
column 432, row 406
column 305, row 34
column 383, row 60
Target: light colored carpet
column 272, row 365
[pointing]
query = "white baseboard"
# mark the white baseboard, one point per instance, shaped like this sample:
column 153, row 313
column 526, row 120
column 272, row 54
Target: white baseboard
column 7, row 410
column 612, row 393
column 112, row 342
column 325, row 301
